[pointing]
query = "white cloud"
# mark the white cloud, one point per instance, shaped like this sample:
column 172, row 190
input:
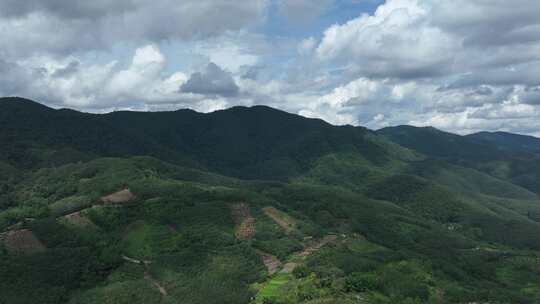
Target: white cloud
column 146, row 66
column 141, row 85
column 435, row 66
column 59, row 27
column 306, row 46
column 462, row 65
column 419, row 38
column 212, row 81
column 397, row 41
column 231, row 50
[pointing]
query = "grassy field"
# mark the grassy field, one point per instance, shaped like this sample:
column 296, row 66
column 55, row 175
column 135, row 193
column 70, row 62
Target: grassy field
column 271, row 289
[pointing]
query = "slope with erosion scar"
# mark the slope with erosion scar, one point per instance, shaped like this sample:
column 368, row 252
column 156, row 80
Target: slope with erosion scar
column 271, row 262
column 283, row 220
column 120, row 197
column 244, row 222
column 21, row 241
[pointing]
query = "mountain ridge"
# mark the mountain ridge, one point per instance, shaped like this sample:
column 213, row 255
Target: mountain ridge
column 480, row 134
column 212, row 138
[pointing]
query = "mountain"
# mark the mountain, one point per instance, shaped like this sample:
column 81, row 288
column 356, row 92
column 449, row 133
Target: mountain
column 510, row 157
column 256, row 205
column 437, row 143
column 509, row 140
column 257, row 142
column 35, row 135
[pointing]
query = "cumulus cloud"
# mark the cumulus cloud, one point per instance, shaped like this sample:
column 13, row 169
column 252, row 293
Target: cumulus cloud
column 141, row 85
column 489, row 23
column 212, row 81
column 306, row 46
column 147, row 64
column 16, row 79
column 463, row 65
column 458, row 71
column 417, row 39
column 64, row 27
column 233, row 50
column 67, row 9
column 530, row 95
column 70, row 69
column 397, row 41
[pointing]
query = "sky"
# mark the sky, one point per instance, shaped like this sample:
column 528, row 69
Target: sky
column 462, row 66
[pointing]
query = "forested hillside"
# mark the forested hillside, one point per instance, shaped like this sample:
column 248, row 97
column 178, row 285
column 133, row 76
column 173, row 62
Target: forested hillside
column 512, row 157
column 255, row 205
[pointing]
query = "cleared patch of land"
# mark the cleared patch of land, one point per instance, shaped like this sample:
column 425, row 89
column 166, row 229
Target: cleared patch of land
column 120, row 197
column 77, row 219
column 244, row 222
column 289, row 267
column 281, row 218
column 315, row 246
column 22, row 241
column 309, row 248
column 271, row 262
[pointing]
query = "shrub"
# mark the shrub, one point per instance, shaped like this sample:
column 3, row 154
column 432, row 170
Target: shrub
column 361, row 281
column 300, row 272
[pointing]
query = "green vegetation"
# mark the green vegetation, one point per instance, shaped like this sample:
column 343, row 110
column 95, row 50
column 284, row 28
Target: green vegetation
column 351, row 216
column 271, row 290
column 511, row 157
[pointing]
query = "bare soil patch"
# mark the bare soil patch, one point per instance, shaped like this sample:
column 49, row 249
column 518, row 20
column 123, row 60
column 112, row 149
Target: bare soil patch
column 77, row 219
column 22, row 241
column 120, row 197
column 283, row 220
column 271, row 262
column 315, row 246
column 289, row 267
column 308, row 250
column 244, row 222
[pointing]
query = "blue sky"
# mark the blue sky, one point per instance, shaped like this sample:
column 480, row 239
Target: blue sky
column 182, row 55
column 335, row 12
column 461, row 66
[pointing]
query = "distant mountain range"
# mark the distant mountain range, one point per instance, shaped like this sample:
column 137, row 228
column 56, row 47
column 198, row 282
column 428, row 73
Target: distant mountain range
column 507, row 156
